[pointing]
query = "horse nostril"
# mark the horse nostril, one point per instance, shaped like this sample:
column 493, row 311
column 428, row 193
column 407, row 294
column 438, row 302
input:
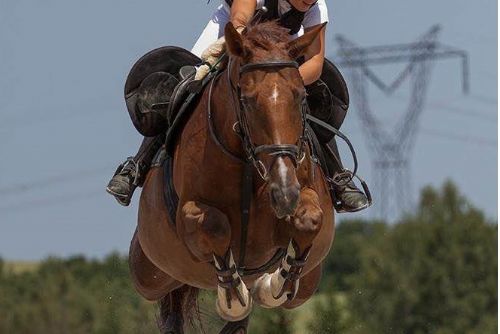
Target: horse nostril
column 293, row 196
column 275, row 194
column 284, row 200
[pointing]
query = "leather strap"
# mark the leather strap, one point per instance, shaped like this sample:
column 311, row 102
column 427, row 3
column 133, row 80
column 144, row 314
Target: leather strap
column 268, row 64
column 246, row 199
column 344, row 138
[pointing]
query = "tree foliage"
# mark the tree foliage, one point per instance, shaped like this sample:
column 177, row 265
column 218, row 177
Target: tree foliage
column 271, row 321
column 434, row 272
column 73, row 296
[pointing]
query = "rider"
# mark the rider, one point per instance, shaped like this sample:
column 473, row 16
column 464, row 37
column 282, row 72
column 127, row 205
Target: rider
column 297, row 15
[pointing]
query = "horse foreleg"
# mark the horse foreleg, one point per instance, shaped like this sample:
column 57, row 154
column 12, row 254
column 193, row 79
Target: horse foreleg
column 207, row 234
column 273, row 290
column 308, row 285
column 149, row 280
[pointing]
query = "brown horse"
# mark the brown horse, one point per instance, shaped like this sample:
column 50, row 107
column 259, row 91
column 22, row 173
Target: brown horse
column 291, row 209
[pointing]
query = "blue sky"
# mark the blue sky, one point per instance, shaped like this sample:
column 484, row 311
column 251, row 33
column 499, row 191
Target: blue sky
column 64, row 127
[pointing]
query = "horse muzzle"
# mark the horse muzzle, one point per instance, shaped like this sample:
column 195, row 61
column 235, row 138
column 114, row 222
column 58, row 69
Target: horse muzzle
column 284, row 200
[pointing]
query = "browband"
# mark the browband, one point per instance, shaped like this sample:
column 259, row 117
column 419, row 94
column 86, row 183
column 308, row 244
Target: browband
column 270, row 64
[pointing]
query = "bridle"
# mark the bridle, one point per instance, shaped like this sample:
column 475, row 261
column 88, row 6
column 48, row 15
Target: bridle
column 296, row 151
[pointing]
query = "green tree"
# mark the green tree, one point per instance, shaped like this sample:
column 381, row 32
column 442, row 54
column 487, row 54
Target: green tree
column 331, row 315
column 344, row 259
column 74, row 296
column 435, row 272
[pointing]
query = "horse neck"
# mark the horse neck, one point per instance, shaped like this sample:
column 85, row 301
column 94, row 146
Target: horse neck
column 224, row 109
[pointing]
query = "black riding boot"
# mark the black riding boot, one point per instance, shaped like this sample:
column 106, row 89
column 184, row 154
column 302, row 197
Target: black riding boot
column 347, row 197
column 130, row 174
column 332, row 110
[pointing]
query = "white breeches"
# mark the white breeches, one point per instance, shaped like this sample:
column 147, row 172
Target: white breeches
column 213, row 31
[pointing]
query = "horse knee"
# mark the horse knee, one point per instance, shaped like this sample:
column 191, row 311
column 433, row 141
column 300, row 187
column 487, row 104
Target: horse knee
column 308, row 218
column 206, row 230
column 308, row 221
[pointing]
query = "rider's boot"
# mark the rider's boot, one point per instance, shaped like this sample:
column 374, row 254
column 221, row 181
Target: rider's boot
column 130, row 174
column 347, row 197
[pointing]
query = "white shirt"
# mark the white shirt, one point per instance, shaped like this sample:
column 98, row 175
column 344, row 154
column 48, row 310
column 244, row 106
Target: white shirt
column 317, row 14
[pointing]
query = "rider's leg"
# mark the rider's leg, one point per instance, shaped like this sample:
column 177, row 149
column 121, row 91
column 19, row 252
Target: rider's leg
column 153, row 98
column 331, row 110
column 131, row 173
column 212, row 32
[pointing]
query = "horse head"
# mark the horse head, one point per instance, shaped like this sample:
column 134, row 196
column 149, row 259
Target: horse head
column 271, row 118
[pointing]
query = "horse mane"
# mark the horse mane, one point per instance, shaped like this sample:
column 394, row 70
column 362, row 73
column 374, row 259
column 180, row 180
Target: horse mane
column 267, row 40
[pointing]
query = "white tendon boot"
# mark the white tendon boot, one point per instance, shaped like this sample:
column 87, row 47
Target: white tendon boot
column 272, row 290
column 233, row 302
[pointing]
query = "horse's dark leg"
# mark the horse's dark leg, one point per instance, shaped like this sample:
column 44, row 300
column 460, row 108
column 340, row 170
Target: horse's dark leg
column 170, row 319
column 273, row 290
column 174, row 307
column 236, row 327
column 207, row 234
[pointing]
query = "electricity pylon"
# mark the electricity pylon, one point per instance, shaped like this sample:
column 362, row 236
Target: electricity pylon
column 391, row 146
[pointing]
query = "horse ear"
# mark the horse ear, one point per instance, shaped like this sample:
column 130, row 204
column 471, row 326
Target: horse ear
column 298, row 46
column 234, row 42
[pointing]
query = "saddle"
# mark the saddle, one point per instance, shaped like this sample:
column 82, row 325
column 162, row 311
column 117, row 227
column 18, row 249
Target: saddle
column 152, row 75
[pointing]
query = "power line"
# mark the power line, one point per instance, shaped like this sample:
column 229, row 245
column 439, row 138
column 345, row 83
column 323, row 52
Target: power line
column 485, row 99
column 53, row 200
column 92, row 107
column 480, row 141
column 473, row 140
column 16, row 189
column 441, row 105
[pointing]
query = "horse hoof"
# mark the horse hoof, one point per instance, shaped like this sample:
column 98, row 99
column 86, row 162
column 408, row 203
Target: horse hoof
column 237, row 327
